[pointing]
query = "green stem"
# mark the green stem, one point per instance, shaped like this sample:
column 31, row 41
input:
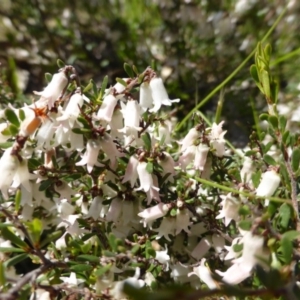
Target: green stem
column 222, row 84
column 232, row 190
column 285, row 57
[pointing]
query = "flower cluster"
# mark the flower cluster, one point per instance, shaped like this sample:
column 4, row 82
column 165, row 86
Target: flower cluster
column 96, row 181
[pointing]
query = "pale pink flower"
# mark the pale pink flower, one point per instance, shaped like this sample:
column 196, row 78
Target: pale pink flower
column 40, row 294
column 146, row 180
column 23, row 176
column 90, row 157
column 189, row 139
column 107, row 107
column 270, row 181
column 45, row 133
column 230, row 209
column 53, row 90
column 204, row 274
column 183, row 221
column 117, row 292
column 167, row 163
column 131, row 114
column 96, row 208
column 72, row 110
column 200, row 156
column 217, row 138
column 146, row 100
column 9, row 165
column 253, row 254
column 247, row 170
column 163, row 257
column 72, row 280
column 109, row 148
column 131, row 173
column 202, row 248
column 115, row 210
column 116, row 124
column 187, row 157
column 159, row 94
column 153, row 193
column 167, row 227
column 155, row 212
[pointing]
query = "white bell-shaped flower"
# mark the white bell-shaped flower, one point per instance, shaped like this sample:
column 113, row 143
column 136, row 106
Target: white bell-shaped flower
column 204, row 274
column 146, row 100
column 90, row 157
column 107, row 107
column 230, row 209
column 131, row 173
column 9, row 165
column 72, row 110
column 159, row 94
column 53, row 90
column 155, row 212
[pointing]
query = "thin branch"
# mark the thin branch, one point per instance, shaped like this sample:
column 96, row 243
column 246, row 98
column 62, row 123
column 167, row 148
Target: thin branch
column 13, row 293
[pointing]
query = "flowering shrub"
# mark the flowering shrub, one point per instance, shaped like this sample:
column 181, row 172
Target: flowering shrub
column 102, row 198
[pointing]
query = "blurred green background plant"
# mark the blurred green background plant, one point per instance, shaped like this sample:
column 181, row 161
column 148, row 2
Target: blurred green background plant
column 193, row 44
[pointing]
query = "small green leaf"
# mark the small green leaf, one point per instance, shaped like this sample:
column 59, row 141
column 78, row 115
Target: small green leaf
column 150, row 252
column 84, row 122
column 274, row 91
column 33, row 163
column 103, row 86
column 291, row 235
column 14, row 130
column 264, row 117
column 81, row 268
column 135, row 70
column 245, row 224
column 282, row 123
column 121, row 81
column 45, row 184
column 128, row 70
column 254, row 74
column 18, row 199
column 95, row 89
column 135, row 249
column 35, row 228
column 2, row 274
column 103, row 270
column 11, row 250
column 60, row 63
column 9, row 235
column 48, row 77
column 147, row 140
column 90, row 258
column 286, row 249
column 12, row 117
column 269, row 160
column 266, row 84
column 273, row 121
column 81, row 130
column 72, row 177
column 6, row 145
column 21, row 115
column 267, row 52
column 244, row 210
column 285, row 212
column 51, row 237
column 237, row 247
column 256, row 178
column 286, row 138
column 149, row 167
column 15, row 260
column 295, row 159
column 88, row 87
